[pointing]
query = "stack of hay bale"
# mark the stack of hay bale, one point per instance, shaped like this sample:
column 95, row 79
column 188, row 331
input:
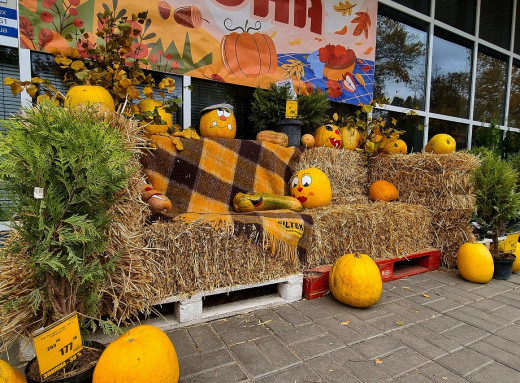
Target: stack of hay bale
column 441, row 182
column 352, row 222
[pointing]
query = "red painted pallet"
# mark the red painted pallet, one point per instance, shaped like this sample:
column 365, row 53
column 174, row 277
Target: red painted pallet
column 316, row 281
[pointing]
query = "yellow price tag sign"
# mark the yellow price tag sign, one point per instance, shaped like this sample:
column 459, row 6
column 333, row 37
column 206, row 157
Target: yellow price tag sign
column 57, row 345
column 510, row 243
column 291, row 109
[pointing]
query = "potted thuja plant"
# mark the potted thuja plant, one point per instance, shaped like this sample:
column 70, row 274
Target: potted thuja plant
column 497, row 202
column 63, row 168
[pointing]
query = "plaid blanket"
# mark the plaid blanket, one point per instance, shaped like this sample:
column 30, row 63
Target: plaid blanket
column 202, row 179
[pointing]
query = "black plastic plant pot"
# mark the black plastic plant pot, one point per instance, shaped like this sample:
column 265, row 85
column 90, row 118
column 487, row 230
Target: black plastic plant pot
column 503, row 267
column 83, row 377
column 292, row 127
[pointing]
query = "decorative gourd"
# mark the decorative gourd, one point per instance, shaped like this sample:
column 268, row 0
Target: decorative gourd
column 516, row 263
column 475, row 262
column 246, row 202
column 218, row 121
column 328, row 135
column 9, row 374
column 355, row 280
column 311, row 187
column 248, row 55
column 142, row 354
column 273, row 137
column 149, row 105
column 89, row 94
column 308, row 140
column 350, row 138
column 394, row 146
column 383, row 191
column 156, row 200
column 441, row 144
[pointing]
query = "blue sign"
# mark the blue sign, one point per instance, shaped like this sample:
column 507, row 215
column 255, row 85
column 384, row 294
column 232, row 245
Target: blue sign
column 7, row 13
column 8, row 31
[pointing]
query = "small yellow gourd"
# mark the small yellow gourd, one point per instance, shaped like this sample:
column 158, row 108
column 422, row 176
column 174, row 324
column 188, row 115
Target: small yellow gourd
column 475, row 262
column 355, row 280
column 350, row 138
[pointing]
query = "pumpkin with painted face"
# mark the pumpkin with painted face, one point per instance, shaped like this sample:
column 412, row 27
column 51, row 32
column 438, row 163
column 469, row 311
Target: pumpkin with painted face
column 311, row 187
column 218, row 121
column 328, row 135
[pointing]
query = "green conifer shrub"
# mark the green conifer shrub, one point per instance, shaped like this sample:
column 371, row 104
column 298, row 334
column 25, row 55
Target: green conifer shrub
column 81, row 163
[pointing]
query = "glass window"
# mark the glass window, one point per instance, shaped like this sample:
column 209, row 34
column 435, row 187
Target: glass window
column 514, row 99
column 400, row 63
column 487, row 137
column 517, row 30
column 495, row 22
column 8, row 68
column 422, row 6
column 490, row 89
column 457, row 130
column 411, row 124
column 459, row 14
column 450, row 86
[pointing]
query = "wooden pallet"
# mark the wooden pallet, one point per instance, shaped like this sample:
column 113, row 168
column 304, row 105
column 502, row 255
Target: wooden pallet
column 316, row 281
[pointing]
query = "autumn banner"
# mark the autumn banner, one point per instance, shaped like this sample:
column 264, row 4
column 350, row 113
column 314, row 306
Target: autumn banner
column 322, row 44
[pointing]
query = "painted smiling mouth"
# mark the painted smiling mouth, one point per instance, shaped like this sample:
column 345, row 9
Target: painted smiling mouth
column 336, row 143
column 302, row 199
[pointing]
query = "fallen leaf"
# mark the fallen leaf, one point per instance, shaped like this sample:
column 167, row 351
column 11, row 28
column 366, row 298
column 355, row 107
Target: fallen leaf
column 330, row 370
column 344, row 9
column 358, row 43
column 445, row 378
column 368, row 50
column 399, row 323
column 342, row 31
column 345, row 323
column 273, row 34
column 318, row 39
column 359, row 78
column 378, row 361
column 425, row 295
column 297, row 41
column 406, row 288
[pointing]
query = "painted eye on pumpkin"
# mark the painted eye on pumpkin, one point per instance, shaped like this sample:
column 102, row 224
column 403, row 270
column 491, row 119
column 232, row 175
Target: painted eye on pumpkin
column 329, row 128
column 227, row 113
column 306, row 181
column 220, row 112
column 294, row 182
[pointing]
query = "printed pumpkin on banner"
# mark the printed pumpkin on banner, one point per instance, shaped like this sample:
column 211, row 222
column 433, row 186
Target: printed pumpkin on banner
column 326, row 45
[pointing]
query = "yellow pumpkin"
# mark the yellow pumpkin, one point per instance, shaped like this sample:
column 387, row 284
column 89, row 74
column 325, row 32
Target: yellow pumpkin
column 516, row 263
column 328, row 135
column 149, row 105
column 383, row 191
column 475, row 262
column 308, row 140
column 142, row 354
column 355, row 280
column 89, row 94
column 350, row 138
column 441, row 144
column 9, row 374
column 394, row 146
column 218, row 121
column 311, row 187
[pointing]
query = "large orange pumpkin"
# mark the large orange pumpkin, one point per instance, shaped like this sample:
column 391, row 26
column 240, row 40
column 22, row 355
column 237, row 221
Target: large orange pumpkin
column 142, row 354
column 248, row 55
column 89, row 94
column 475, row 262
column 328, row 136
column 383, row 191
column 355, row 280
column 9, row 374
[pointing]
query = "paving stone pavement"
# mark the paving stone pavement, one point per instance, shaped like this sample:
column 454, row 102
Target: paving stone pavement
column 432, row 327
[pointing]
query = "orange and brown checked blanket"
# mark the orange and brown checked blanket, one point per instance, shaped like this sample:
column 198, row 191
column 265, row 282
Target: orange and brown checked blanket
column 202, row 179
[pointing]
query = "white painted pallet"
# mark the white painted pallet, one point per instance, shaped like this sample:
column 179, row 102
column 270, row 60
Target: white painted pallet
column 190, row 310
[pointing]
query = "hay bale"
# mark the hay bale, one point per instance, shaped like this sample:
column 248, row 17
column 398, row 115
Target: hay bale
column 417, row 173
column 216, row 258
column 346, row 171
column 381, row 229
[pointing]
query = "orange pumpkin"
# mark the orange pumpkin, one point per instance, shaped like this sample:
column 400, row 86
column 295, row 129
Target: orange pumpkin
column 248, row 55
column 9, row 374
column 383, row 191
column 149, row 105
column 308, row 140
column 394, row 146
column 142, row 354
column 328, row 136
column 218, row 121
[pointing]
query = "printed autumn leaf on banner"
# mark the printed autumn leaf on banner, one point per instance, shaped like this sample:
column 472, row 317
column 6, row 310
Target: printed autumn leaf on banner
column 293, row 68
column 368, row 50
column 342, row 31
column 363, row 23
column 334, row 89
column 344, row 8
